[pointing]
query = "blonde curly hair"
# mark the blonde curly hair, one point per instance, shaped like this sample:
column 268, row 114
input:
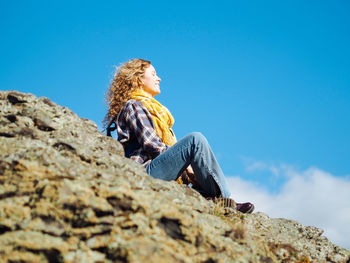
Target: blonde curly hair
column 126, row 80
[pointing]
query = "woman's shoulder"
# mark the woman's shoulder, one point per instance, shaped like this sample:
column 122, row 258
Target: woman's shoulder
column 132, row 102
column 133, row 109
column 132, row 105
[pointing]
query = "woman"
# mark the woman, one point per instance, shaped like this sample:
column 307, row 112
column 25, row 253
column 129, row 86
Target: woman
column 144, row 129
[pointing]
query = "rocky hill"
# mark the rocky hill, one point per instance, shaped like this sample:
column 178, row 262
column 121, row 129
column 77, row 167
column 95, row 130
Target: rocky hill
column 67, row 194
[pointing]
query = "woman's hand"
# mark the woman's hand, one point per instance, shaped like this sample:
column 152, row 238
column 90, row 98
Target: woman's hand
column 190, row 174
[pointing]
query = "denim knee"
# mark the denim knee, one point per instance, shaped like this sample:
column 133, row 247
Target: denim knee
column 198, row 138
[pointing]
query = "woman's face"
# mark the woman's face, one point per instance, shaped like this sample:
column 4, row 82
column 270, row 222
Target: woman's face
column 150, row 81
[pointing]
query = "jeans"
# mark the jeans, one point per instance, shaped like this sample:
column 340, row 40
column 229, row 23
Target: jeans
column 192, row 150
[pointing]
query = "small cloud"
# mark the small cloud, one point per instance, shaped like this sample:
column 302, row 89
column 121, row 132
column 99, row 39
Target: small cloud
column 256, row 166
column 252, row 165
column 274, row 170
column 312, row 197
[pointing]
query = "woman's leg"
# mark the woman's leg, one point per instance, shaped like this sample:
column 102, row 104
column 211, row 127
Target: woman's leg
column 195, row 150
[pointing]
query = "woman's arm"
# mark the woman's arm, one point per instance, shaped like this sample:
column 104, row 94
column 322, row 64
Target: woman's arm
column 140, row 122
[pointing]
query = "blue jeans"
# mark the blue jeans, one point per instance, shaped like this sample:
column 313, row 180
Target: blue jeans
column 192, row 150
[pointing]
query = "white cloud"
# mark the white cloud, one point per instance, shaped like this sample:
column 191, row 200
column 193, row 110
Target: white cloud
column 312, row 197
column 252, row 165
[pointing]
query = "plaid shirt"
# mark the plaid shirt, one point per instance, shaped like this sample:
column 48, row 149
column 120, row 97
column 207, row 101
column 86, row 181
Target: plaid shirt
column 137, row 134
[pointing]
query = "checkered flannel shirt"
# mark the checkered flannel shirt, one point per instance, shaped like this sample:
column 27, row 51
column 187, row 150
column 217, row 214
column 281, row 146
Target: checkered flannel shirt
column 137, row 134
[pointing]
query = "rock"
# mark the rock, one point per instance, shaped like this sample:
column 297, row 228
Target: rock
column 67, row 194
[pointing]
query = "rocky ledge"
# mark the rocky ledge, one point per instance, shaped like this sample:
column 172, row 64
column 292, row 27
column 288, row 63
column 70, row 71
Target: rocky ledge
column 67, row 194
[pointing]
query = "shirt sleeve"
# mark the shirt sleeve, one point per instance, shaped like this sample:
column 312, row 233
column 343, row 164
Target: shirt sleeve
column 140, row 121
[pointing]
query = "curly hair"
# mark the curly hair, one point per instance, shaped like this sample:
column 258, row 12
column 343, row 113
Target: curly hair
column 126, row 80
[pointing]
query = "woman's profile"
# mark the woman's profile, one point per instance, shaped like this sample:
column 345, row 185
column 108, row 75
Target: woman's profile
column 144, row 128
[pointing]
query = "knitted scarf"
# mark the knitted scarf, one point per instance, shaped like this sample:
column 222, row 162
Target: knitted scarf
column 161, row 116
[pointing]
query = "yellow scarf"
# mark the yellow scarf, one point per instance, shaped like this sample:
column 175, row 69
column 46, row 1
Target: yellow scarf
column 161, row 116
column 162, row 119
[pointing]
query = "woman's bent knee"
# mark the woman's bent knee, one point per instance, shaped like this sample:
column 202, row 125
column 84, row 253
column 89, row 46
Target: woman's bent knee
column 198, row 137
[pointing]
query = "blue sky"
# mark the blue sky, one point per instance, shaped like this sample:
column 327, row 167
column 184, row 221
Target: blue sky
column 267, row 82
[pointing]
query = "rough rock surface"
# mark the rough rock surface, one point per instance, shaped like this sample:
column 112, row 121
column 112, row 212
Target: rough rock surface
column 67, row 194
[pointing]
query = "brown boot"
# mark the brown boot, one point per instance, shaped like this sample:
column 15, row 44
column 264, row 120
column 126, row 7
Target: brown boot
column 246, row 208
